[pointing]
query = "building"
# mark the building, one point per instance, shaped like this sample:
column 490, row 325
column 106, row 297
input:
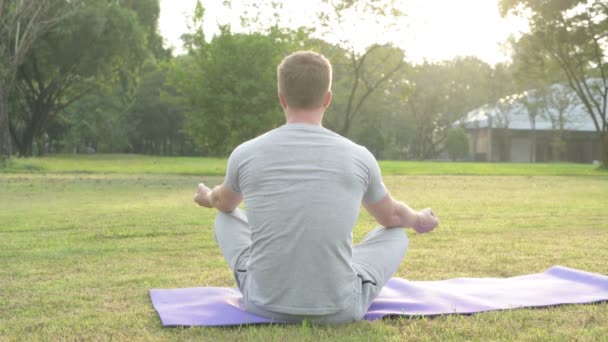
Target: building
column 559, row 129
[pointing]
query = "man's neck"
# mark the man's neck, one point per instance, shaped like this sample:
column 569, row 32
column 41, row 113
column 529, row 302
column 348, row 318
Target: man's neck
column 311, row 117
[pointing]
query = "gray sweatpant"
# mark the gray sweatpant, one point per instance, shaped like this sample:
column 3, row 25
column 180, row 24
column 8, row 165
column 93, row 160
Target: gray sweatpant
column 375, row 260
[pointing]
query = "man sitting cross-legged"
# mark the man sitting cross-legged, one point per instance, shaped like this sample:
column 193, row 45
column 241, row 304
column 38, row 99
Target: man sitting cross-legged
column 291, row 251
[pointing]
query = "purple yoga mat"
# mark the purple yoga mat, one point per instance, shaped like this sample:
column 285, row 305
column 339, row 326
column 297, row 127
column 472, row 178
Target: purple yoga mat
column 220, row 306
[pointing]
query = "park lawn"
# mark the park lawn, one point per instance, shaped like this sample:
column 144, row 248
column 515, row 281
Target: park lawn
column 118, row 163
column 138, row 164
column 79, row 252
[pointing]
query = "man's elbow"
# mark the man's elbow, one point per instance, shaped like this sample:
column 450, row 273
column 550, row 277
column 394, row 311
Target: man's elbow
column 384, row 211
column 221, row 205
column 387, row 219
column 225, row 208
column 224, row 204
column 391, row 223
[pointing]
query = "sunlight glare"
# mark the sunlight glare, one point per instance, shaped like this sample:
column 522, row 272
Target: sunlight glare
column 432, row 30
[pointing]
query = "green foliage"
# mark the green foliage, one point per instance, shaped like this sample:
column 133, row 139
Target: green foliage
column 376, row 15
column 533, row 68
column 230, row 87
column 157, row 114
column 569, row 36
column 23, row 23
column 84, row 88
column 396, row 110
column 147, row 120
column 443, row 93
column 359, row 83
column 545, row 9
column 95, row 123
column 101, row 45
column 457, row 143
column 148, row 13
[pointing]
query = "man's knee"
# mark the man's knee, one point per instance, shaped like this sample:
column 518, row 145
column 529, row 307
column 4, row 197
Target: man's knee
column 396, row 235
column 222, row 220
column 396, row 242
column 233, row 236
column 400, row 236
column 387, row 244
column 399, row 240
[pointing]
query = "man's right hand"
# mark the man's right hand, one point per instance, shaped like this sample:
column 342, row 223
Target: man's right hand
column 425, row 221
column 201, row 197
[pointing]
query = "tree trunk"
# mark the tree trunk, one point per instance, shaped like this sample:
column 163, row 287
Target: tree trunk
column 5, row 136
column 26, row 141
column 604, row 148
column 28, row 149
column 533, row 147
column 41, row 146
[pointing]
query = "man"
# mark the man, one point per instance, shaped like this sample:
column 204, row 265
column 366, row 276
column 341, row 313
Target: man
column 303, row 186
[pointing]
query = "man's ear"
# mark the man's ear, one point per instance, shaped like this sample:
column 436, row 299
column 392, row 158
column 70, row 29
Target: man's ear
column 327, row 99
column 283, row 102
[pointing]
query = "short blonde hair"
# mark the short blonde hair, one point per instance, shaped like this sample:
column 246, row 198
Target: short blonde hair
column 304, row 79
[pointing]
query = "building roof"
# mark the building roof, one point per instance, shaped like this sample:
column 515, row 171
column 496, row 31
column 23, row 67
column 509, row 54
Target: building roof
column 511, row 111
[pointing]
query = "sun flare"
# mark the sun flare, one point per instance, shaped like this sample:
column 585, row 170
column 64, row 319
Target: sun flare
column 431, row 30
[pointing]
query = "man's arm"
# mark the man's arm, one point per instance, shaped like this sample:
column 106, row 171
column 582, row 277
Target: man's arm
column 391, row 213
column 221, row 197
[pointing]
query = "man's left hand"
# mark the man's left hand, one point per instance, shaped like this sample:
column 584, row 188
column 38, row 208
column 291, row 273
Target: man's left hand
column 426, row 221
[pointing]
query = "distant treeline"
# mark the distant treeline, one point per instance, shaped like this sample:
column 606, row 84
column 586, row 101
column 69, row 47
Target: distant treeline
column 101, row 81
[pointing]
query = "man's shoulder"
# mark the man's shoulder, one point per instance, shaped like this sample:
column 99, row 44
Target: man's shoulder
column 292, row 133
column 355, row 147
column 338, row 138
column 254, row 144
column 257, row 140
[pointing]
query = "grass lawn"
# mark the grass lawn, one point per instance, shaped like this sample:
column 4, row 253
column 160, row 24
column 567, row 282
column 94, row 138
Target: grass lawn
column 80, row 250
column 194, row 166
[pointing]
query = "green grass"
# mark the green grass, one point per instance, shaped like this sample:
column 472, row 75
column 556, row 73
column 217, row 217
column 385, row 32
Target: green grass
column 489, row 169
column 118, row 163
column 138, row 164
column 79, row 251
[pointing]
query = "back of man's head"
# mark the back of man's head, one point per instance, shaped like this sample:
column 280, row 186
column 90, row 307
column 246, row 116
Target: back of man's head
column 304, row 79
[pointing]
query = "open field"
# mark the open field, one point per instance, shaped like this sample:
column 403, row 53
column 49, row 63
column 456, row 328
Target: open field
column 79, row 251
column 137, row 164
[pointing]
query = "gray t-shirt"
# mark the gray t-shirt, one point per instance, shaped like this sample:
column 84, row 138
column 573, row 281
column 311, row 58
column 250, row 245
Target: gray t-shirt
column 303, row 186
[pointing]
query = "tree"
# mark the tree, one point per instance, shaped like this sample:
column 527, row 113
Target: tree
column 472, row 83
column 573, row 35
column 97, row 122
column 502, row 90
column 426, row 106
column 533, row 73
column 457, row 143
column 559, row 103
column 360, row 69
column 533, row 102
column 157, row 114
column 230, row 87
column 368, row 68
column 360, row 77
column 100, row 45
column 22, row 24
column 499, row 119
column 441, row 94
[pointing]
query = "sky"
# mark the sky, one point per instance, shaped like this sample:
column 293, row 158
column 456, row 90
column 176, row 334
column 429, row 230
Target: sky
column 432, row 30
